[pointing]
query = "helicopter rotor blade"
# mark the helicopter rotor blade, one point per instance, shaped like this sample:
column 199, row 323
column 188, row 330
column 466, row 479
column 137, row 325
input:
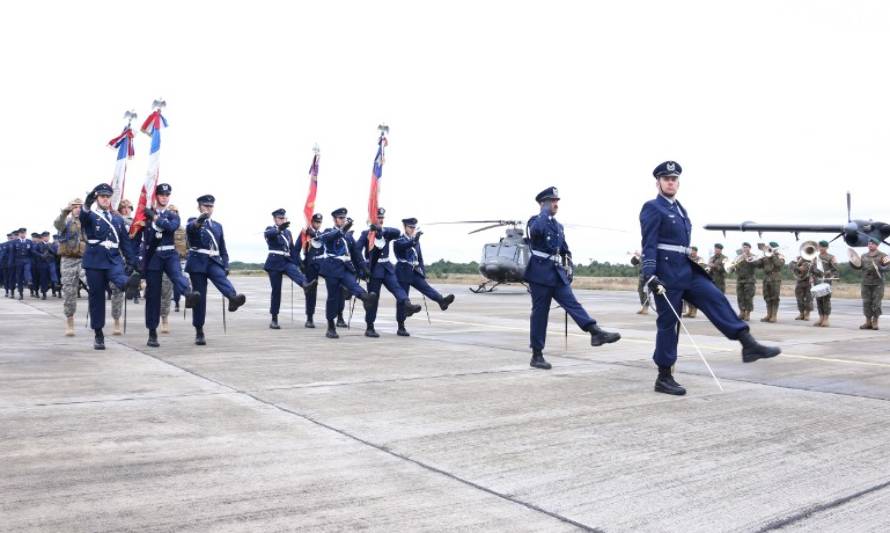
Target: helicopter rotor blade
column 485, row 228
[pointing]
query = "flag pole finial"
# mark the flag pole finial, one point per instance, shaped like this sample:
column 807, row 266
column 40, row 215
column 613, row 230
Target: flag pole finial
column 159, row 103
column 130, row 115
column 315, row 148
column 383, row 128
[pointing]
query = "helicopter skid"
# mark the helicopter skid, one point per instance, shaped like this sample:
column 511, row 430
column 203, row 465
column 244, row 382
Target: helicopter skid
column 487, row 286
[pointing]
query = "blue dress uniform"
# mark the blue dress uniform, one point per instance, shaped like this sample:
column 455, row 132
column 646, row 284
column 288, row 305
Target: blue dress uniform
column 283, row 259
column 208, row 259
column 41, row 258
column 666, row 231
column 102, row 261
column 311, row 266
column 4, row 268
column 549, row 280
column 410, row 268
column 21, row 262
column 338, row 268
column 159, row 256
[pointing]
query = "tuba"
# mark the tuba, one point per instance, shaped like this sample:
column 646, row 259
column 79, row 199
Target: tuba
column 809, row 250
column 765, row 249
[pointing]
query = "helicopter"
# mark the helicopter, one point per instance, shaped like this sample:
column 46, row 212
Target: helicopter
column 504, row 262
column 856, row 233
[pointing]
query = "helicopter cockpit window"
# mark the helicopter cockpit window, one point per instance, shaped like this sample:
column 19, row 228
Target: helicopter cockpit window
column 490, row 251
column 509, row 252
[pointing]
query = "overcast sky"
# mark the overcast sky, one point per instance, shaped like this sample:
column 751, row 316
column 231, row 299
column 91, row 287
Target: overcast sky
column 774, row 109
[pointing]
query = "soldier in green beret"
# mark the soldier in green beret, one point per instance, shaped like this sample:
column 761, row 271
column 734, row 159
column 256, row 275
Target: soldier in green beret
column 873, row 264
column 825, row 271
column 746, row 282
column 772, row 264
column 717, row 267
column 802, row 270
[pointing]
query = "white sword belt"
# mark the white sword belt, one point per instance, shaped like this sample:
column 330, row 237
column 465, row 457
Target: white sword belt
column 211, row 253
column 554, row 258
column 344, row 258
column 106, row 244
column 674, row 248
column 412, row 263
column 165, row 248
column 279, row 252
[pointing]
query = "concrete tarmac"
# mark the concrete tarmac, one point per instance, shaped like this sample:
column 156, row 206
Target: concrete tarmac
column 448, row 430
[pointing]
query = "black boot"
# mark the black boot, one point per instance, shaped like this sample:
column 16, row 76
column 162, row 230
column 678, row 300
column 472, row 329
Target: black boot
column 368, row 298
column 236, row 302
column 753, row 350
column 411, row 309
column 340, row 322
column 21, row 295
column 331, row 333
column 402, row 332
column 446, row 301
column 598, row 337
column 199, row 337
column 153, row 338
column 191, row 299
column 99, row 341
column 538, row 360
column 176, row 310
column 371, row 332
column 274, row 323
column 43, row 296
column 666, row 384
column 309, row 323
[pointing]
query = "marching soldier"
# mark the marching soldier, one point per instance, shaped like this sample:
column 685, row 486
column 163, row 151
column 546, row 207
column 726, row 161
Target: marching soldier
column 873, row 264
column 4, row 263
column 717, row 267
column 802, row 269
column 208, row 259
column 772, row 264
column 379, row 272
column 338, row 268
column 641, row 285
column 160, row 257
column 312, row 251
column 826, row 274
column 283, row 259
column 411, row 271
column 56, row 266
column 692, row 311
column 102, row 260
column 549, row 276
column 169, row 291
column 41, row 258
column 673, row 277
column 72, row 244
column 21, row 261
column 746, row 282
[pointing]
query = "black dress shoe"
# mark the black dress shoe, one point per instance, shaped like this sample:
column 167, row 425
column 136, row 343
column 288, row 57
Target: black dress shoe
column 99, row 341
column 199, row 337
column 340, row 322
column 153, row 338
column 309, row 323
column 191, row 299
column 598, row 337
column 446, row 301
column 753, row 350
column 402, row 332
column 665, row 383
column 274, row 324
column 236, row 302
column 412, row 309
column 538, row 360
column 371, row 332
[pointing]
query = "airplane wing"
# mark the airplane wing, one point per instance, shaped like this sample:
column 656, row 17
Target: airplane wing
column 790, row 228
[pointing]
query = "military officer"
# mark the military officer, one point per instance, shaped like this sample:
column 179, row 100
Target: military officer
column 746, row 281
column 208, row 259
column 873, row 264
column 339, row 267
column 717, row 267
column 641, row 284
column 378, row 270
column 312, row 251
column 826, row 271
column 549, row 276
column 802, row 270
column 160, row 257
column 102, row 259
column 283, row 259
column 772, row 264
column 22, row 262
column 411, row 271
column 72, row 244
column 666, row 230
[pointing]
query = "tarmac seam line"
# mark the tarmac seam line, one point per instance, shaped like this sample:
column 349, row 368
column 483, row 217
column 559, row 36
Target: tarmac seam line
column 810, row 511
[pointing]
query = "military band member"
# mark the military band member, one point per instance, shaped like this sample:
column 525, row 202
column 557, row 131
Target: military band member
column 641, row 285
column 873, row 264
column 673, row 277
column 802, row 269
column 22, row 262
column 283, row 260
column 549, row 276
column 106, row 253
column 378, row 270
column 717, row 267
column 72, row 245
column 339, row 268
column 772, row 264
column 746, row 281
column 826, row 274
column 160, row 257
column 312, row 251
column 208, row 260
column 411, row 271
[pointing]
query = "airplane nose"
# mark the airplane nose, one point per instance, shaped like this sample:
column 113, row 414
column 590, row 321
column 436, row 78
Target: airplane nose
column 851, row 234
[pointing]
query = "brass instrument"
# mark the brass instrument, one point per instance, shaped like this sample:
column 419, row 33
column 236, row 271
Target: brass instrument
column 855, row 260
column 739, row 258
column 809, row 250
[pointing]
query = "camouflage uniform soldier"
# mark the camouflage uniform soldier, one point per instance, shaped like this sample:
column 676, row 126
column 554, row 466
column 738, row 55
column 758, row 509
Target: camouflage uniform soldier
column 717, row 267
column 691, row 310
column 641, row 285
column 125, row 210
column 772, row 266
column 825, row 274
column 802, row 269
column 72, row 244
column 873, row 265
column 746, row 282
column 166, row 284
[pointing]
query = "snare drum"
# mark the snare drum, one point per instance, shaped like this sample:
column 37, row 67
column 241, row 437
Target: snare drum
column 821, row 290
